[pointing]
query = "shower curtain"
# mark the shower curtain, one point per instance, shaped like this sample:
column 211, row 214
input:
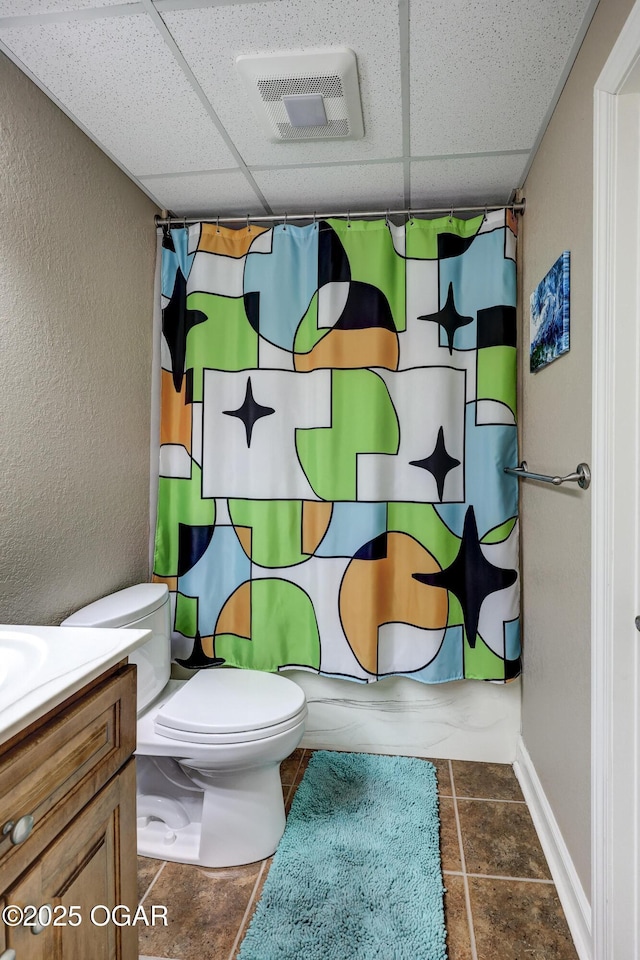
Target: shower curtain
column 338, row 404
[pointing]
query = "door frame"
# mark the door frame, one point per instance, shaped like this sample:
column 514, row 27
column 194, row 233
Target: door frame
column 615, row 683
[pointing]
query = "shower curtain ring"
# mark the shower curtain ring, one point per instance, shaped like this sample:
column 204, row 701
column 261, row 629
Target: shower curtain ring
column 315, row 220
column 184, row 223
column 386, row 217
column 410, row 217
column 486, row 210
column 248, row 225
column 217, row 224
column 451, row 215
column 349, row 218
column 284, row 227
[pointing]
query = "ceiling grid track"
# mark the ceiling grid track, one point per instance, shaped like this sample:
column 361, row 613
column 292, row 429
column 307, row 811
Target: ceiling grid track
column 405, row 91
column 166, row 35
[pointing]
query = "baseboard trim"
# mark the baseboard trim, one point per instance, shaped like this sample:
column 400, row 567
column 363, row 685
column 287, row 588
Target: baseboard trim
column 570, row 891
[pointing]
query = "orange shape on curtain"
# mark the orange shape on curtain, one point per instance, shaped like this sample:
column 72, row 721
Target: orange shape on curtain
column 374, row 592
column 351, row 349
column 316, row 516
column 176, row 421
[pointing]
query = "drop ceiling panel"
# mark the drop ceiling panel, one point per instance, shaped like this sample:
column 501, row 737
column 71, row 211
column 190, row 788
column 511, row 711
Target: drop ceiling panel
column 355, row 187
column 20, row 8
column 211, row 38
column 473, row 180
column 485, row 74
column 116, row 75
column 197, row 194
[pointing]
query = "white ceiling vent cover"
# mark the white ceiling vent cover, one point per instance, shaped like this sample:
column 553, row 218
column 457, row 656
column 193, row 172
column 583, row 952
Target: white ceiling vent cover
column 291, row 92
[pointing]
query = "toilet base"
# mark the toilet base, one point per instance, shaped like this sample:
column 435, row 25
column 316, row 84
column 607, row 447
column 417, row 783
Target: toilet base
column 243, row 813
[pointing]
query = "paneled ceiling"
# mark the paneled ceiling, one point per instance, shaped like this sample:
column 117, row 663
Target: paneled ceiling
column 456, row 95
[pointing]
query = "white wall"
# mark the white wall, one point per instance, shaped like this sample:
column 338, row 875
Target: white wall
column 555, row 437
column 77, row 248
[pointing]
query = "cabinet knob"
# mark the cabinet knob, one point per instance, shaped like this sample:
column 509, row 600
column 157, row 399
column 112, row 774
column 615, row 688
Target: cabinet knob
column 19, row 831
column 38, row 927
column 8, row 954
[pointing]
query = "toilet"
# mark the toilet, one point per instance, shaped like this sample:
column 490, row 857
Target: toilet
column 209, row 748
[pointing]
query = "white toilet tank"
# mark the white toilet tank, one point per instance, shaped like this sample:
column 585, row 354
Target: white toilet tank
column 142, row 607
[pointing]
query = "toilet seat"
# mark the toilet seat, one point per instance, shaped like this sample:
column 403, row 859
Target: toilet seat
column 227, row 706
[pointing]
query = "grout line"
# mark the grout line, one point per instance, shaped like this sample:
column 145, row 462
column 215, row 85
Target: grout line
column 485, row 799
column 151, row 885
column 463, row 862
column 247, row 911
column 491, row 876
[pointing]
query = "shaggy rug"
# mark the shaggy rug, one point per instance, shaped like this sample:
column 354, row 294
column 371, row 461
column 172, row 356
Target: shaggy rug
column 357, row 874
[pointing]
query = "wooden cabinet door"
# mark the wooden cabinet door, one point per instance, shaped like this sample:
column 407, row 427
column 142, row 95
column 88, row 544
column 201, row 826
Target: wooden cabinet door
column 93, row 862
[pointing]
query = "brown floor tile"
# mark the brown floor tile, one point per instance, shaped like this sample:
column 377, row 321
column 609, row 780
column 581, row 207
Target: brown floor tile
column 449, row 846
column 495, row 781
column 304, row 763
column 500, row 839
column 519, row 921
column 455, row 915
column 444, row 780
column 254, row 904
column 204, row 910
column 147, row 869
column 289, row 767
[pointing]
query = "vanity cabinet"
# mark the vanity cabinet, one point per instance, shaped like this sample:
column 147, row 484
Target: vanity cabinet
column 68, row 822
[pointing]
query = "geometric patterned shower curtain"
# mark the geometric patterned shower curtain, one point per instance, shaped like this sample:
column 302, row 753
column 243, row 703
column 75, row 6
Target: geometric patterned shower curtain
column 338, row 404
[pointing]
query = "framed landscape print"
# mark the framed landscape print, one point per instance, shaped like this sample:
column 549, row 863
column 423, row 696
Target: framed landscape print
column 550, row 315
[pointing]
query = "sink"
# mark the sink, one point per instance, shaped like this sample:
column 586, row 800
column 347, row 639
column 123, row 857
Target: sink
column 22, row 656
column 40, row 666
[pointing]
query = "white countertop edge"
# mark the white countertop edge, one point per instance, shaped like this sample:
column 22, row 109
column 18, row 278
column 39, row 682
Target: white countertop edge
column 45, row 697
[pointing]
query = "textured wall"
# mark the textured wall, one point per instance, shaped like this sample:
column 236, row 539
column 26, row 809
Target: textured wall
column 556, row 436
column 77, row 248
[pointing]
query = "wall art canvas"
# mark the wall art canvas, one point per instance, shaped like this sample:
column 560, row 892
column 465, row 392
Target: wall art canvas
column 550, row 315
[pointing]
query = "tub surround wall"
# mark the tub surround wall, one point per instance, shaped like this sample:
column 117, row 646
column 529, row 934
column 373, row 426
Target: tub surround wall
column 77, row 247
column 556, row 435
column 463, row 720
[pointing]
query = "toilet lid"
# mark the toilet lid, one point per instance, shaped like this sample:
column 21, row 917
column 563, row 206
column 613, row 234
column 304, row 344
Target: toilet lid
column 227, row 701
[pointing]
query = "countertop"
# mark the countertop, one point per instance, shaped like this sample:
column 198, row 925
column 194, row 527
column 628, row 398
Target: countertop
column 41, row 666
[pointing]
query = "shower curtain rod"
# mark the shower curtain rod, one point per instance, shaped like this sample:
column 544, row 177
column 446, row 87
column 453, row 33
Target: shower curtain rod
column 169, row 221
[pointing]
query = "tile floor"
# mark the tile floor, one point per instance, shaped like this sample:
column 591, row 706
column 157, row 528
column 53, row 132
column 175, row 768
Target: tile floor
column 501, row 903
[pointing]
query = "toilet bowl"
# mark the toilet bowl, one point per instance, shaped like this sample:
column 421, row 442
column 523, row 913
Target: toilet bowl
column 209, row 748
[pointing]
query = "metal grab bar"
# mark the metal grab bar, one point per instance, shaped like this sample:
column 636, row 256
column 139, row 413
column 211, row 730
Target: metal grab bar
column 582, row 475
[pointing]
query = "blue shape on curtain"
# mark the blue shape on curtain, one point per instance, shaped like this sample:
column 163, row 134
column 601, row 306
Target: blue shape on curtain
column 481, row 278
column 172, row 259
column 493, row 493
column 352, row 525
column 447, row 665
column 286, row 280
column 512, row 639
column 221, row 569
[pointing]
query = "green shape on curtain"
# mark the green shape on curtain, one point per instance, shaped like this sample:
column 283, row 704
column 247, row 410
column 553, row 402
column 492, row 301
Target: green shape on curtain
column 179, row 501
column 421, row 522
column 276, row 527
column 307, row 334
column 497, row 375
column 481, row 663
column 186, row 615
column 284, row 630
column 364, row 421
column 456, row 616
column 501, row 533
column 225, row 341
column 422, row 235
column 373, row 259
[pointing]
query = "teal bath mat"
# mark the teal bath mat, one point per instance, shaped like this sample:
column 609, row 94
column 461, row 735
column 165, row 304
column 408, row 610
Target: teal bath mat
column 357, row 873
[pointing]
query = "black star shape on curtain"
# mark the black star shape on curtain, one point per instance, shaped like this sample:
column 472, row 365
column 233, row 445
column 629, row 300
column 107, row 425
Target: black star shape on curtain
column 197, row 659
column 449, row 318
column 471, row 577
column 176, row 323
column 249, row 412
column 438, row 463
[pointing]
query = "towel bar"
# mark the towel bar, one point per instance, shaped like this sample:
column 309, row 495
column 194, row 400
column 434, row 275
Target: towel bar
column 582, row 475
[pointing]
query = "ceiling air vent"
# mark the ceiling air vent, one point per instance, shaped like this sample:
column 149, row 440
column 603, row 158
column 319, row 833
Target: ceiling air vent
column 305, row 96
